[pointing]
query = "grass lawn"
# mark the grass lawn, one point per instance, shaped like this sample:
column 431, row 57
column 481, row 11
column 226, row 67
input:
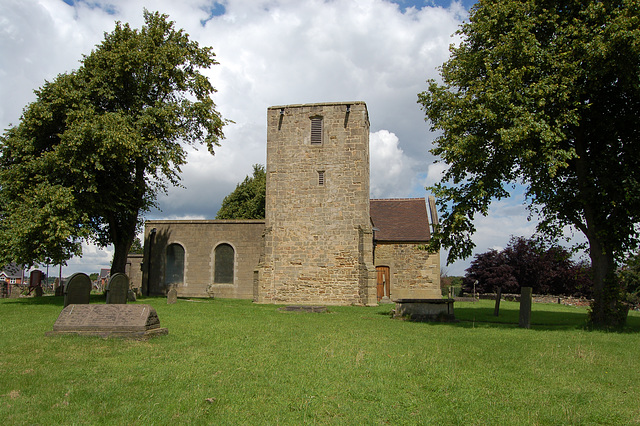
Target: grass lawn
column 234, row 362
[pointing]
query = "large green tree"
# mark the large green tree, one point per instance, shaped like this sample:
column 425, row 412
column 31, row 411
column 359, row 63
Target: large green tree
column 545, row 94
column 247, row 201
column 91, row 153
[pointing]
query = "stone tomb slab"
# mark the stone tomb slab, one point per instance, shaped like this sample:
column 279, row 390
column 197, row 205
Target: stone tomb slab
column 132, row 321
column 425, row 310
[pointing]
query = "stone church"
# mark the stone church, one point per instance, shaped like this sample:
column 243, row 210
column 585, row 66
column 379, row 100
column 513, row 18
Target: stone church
column 323, row 240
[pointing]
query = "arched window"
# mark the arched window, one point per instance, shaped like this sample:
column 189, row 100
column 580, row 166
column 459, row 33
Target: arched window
column 224, row 264
column 174, row 271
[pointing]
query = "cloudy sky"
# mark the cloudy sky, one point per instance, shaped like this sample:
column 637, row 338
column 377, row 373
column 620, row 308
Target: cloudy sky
column 271, row 52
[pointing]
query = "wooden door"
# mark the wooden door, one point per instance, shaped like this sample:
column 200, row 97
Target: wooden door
column 383, row 282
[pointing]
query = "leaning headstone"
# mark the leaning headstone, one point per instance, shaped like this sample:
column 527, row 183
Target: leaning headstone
column 117, row 289
column 131, row 321
column 172, row 296
column 77, row 289
column 525, row 307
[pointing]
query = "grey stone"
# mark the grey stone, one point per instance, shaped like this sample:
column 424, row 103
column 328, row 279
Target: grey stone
column 172, row 296
column 131, row 296
column 117, row 289
column 77, row 289
column 425, row 310
column 133, row 321
column 304, row 308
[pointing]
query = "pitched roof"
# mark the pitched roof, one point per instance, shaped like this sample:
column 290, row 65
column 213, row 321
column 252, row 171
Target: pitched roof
column 12, row 270
column 400, row 219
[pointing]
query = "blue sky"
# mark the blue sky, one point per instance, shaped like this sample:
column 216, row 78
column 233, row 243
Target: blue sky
column 281, row 52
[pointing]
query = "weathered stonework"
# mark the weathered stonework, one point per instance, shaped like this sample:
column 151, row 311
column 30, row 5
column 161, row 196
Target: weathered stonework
column 318, row 238
column 315, row 246
column 199, row 239
column 415, row 273
column 133, row 270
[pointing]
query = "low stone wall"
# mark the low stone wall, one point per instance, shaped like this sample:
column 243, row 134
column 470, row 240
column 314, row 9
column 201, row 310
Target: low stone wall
column 538, row 298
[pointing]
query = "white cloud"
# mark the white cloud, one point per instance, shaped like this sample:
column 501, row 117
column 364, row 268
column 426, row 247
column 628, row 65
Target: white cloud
column 271, row 52
column 435, row 173
column 391, row 170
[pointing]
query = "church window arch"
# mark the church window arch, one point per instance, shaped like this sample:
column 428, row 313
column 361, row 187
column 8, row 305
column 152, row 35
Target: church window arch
column 174, row 267
column 224, row 264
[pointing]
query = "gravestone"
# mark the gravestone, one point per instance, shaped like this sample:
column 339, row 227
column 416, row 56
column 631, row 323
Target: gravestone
column 117, row 289
column 57, row 288
column 172, row 296
column 496, row 309
column 77, row 289
column 130, row 321
column 131, row 296
column 525, row 307
column 4, row 289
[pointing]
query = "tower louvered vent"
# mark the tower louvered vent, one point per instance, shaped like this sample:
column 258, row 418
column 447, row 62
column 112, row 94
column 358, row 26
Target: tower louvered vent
column 316, row 131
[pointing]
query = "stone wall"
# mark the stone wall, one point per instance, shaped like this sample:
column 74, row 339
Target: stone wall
column 199, row 239
column 133, row 270
column 318, row 245
column 414, row 273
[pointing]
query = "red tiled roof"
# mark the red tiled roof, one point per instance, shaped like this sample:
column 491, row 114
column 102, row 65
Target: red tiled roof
column 400, row 219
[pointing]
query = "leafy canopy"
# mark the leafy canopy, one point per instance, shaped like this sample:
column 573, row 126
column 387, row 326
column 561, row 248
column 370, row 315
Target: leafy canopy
column 546, row 268
column 247, row 201
column 98, row 144
column 545, row 94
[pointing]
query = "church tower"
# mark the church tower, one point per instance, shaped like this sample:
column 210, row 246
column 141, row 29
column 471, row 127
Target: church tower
column 318, row 245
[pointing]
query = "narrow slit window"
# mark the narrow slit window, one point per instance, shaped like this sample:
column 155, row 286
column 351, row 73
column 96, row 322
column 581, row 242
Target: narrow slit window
column 321, row 177
column 316, row 131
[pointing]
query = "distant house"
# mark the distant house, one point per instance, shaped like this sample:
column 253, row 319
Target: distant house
column 12, row 274
column 105, row 273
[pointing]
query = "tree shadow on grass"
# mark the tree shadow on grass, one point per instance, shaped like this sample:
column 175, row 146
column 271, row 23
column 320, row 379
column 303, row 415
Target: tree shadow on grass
column 50, row 300
column 543, row 318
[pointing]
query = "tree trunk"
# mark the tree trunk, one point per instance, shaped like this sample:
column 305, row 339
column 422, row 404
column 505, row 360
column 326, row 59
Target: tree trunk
column 606, row 308
column 123, row 225
column 605, row 292
column 120, row 256
column 123, row 231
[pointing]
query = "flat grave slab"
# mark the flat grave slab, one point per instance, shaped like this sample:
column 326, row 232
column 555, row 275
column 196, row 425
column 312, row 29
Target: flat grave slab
column 114, row 320
column 303, row 308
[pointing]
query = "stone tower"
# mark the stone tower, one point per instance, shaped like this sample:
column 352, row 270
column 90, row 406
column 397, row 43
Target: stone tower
column 318, row 237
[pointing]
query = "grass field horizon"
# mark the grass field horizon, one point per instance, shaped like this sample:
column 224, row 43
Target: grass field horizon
column 231, row 361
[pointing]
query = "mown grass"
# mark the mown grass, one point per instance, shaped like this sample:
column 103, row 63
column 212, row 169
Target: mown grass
column 234, row 362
